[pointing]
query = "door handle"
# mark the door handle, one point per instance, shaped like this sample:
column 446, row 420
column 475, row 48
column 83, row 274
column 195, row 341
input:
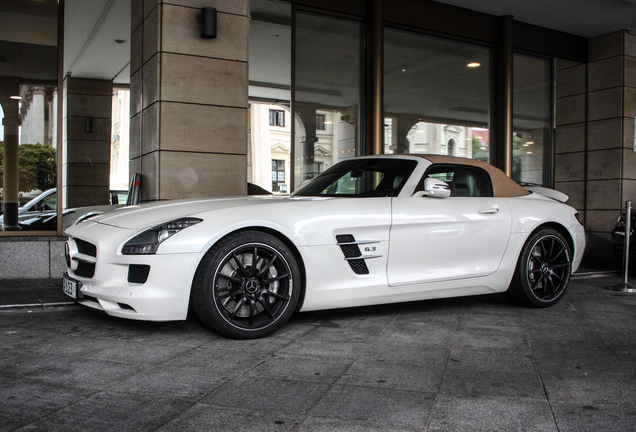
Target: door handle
column 489, row 210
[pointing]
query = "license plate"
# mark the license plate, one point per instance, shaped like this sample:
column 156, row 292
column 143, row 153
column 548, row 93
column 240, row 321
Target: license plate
column 70, row 286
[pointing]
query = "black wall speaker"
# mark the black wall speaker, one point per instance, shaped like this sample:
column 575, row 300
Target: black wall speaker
column 207, row 20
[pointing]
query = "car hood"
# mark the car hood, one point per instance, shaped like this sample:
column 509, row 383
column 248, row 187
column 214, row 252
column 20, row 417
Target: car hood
column 152, row 214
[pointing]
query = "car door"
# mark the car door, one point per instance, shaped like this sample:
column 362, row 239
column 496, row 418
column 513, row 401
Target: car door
column 440, row 239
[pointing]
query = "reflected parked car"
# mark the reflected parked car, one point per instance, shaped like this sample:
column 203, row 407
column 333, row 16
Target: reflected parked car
column 40, row 213
column 370, row 230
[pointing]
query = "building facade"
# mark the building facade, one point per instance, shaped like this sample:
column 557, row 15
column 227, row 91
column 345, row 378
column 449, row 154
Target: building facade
column 287, row 89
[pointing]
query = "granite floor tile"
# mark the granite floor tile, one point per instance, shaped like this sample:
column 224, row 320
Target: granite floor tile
column 294, row 398
column 374, row 373
column 611, row 416
column 389, row 406
column 206, row 418
column 295, row 368
column 478, row 383
column 490, row 414
column 105, row 412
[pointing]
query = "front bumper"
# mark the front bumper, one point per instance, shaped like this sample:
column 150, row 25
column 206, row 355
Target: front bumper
column 161, row 296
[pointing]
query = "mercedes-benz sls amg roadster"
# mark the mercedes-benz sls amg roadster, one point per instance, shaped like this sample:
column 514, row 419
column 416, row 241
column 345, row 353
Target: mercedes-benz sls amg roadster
column 367, row 231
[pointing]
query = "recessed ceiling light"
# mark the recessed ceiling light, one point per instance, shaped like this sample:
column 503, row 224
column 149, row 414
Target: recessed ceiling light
column 120, row 41
column 529, row 142
column 15, row 97
column 473, row 65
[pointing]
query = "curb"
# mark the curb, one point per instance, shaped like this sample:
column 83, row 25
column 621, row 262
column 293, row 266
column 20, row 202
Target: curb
column 596, row 274
column 35, row 306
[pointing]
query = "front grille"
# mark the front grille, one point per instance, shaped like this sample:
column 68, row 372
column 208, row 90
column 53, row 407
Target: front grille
column 86, row 248
column 85, row 269
column 138, row 273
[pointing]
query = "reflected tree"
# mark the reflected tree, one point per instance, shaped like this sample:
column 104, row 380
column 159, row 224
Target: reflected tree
column 37, row 166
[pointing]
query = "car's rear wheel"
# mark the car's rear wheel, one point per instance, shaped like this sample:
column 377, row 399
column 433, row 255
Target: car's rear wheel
column 543, row 270
column 247, row 286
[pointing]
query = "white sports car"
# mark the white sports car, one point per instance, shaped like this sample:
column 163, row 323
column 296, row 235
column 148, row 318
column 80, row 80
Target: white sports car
column 370, row 230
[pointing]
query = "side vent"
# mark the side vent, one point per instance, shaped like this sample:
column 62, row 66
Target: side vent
column 352, row 254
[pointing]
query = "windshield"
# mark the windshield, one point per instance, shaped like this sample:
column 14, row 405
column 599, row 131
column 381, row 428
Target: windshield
column 361, row 178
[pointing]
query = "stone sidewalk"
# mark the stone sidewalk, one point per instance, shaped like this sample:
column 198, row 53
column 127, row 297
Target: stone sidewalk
column 466, row 364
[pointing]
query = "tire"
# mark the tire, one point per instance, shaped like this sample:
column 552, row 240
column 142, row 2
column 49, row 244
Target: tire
column 242, row 301
column 543, row 270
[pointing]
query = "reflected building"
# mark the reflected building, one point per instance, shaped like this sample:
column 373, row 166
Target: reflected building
column 120, row 139
column 38, row 115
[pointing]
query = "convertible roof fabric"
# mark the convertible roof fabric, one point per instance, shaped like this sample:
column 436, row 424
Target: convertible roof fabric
column 502, row 185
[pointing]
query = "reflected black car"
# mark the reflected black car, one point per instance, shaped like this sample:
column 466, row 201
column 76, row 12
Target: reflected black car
column 618, row 236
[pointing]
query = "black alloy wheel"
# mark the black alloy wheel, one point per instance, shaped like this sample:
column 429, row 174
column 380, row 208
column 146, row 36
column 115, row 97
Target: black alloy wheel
column 247, row 285
column 543, row 270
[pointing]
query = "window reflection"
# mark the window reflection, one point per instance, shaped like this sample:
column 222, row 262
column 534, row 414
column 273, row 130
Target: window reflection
column 29, row 100
column 437, row 96
column 531, row 120
column 120, row 142
column 269, row 146
column 328, row 106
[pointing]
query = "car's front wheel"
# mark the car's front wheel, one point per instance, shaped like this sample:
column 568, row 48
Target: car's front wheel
column 247, row 286
column 543, row 270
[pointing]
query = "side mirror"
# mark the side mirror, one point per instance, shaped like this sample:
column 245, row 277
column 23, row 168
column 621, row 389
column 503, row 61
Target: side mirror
column 434, row 188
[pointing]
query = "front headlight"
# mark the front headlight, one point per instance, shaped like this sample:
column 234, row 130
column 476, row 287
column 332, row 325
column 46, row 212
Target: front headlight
column 147, row 242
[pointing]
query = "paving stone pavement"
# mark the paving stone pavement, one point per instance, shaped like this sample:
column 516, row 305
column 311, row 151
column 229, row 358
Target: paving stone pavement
column 466, row 364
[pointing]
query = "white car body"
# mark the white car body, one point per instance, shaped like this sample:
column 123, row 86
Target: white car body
column 415, row 247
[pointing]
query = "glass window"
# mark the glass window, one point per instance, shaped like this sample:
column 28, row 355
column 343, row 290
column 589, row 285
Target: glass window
column 361, row 178
column 320, row 122
column 437, row 96
column 531, row 140
column 277, row 118
column 120, row 144
column 464, row 181
column 278, row 174
column 328, row 74
column 28, row 118
column 269, row 93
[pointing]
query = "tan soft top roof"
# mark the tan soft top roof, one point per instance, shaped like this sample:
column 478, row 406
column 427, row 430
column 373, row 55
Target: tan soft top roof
column 502, row 185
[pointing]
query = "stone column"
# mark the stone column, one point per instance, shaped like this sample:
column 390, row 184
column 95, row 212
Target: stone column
column 595, row 162
column 11, row 123
column 611, row 161
column 570, row 134
column 86, row 164
column 189, row 99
